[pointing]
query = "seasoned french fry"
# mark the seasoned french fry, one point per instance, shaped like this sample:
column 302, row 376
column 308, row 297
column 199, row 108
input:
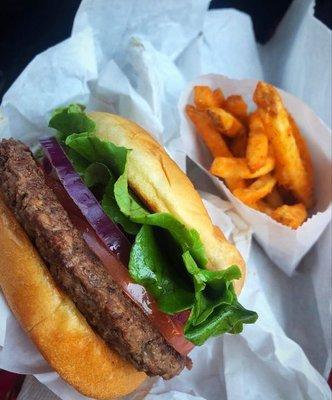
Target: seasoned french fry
column 257, row 190
column 287, row 196
column 225, row 122
column 219, row 98
column 266, row 141
column 238, row 145
column 211, row 137
column 303, row 149
column 213, row 140
column 292, row 216
column 290, row 170
column 274, row 199
column 204, row 97
column 235, row 183
column 227, row 167
column 258, row 144
column 236, row 106
column 262, row 206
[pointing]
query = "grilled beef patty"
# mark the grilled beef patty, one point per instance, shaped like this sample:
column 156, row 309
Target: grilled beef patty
column 76, row 269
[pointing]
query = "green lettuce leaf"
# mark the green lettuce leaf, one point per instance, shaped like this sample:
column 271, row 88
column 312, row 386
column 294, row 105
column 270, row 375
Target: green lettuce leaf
column 212, row 288
column 97, row 174
column 187, row 238
column 128, row 203
column 80, row 164
column 112, row 209
column 101, row 181
column 216, row 309
column 114, row 157
column 93, row 149
column 167, row 258
column 225, row 319
column 149, row 267
column 71, row 119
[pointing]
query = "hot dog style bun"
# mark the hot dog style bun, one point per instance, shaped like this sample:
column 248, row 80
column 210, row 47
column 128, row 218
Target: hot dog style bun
column 50, row 317
column 160, row 183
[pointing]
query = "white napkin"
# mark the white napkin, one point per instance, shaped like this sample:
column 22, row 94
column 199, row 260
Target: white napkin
column 134, row 58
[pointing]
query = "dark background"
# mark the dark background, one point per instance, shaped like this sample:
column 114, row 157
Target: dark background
column 28, row 27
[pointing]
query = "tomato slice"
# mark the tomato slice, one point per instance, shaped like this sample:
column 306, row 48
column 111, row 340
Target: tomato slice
column 171, row 327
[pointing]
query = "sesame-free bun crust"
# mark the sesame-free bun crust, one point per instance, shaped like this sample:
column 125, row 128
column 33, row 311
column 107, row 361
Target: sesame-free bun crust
column 160, row 183
column 52, row 321
column 50, row 318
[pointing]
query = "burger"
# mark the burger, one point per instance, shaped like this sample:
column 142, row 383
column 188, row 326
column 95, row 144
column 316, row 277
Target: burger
column 109, row 259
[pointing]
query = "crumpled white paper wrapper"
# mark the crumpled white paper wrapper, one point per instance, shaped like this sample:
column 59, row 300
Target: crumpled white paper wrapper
column 283, row 245
column 134, row 58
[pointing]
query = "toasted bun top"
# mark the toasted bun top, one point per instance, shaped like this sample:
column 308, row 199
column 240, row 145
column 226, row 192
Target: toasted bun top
column 54, row 324
column 156, row 179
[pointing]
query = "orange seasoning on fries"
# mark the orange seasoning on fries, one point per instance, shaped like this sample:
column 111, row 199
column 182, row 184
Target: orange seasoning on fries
column 261, row 156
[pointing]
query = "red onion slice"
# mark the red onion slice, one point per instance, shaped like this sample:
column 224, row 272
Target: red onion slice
column 108, row 232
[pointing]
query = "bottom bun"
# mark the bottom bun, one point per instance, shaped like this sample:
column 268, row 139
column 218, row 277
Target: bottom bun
column 52, row 321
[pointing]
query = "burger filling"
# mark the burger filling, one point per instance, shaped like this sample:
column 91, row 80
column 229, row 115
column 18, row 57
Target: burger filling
column 166, row 258
column 76, row 269
column 138, row 277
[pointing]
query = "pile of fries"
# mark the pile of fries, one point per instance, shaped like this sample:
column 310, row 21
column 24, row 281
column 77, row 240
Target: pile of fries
column 261, row 156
